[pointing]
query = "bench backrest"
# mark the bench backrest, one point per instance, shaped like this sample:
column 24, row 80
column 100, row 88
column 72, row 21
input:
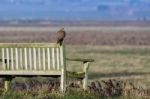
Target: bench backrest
column 32, row 56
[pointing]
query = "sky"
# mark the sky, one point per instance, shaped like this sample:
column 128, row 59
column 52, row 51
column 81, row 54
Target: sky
column 75, row 9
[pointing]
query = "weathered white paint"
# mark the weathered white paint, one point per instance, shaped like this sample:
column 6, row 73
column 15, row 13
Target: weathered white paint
column 58, row 60
column 29, row 72
column 39, row 58
column 21, row 59
column 16, row 53
column 34, row 58
column 25, row 59
column 7, row 57
column 30, row 59
column 85, row 80
column 3, row 58
column 53, row 58
column 63, row 69
column 12, row 58
column 44, row 66
column 48, row 58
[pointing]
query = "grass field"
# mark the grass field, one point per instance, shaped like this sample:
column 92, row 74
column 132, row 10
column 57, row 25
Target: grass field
column 122, row 62
column 119, row 52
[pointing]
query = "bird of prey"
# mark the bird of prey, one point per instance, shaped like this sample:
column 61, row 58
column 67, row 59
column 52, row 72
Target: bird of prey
column 60, row 36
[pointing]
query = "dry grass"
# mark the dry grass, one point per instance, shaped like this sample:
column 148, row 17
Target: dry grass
column 98, row 35
column 96, row 89
column 121, row 62
column 115, row 61
column 121, row 54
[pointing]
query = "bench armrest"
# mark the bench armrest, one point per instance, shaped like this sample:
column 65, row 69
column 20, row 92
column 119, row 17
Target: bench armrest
column 85, row 69
column 81, row 60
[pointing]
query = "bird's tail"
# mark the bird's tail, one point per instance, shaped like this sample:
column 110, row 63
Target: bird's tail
column 60, row 42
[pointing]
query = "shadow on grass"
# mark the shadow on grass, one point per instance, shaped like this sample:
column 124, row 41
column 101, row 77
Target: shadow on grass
column 117, row 74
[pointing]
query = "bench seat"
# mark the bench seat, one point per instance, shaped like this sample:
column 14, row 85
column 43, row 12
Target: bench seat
column 29, row 73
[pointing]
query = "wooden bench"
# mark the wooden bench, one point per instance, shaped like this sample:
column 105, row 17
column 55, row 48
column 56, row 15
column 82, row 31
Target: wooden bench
column 36, row 59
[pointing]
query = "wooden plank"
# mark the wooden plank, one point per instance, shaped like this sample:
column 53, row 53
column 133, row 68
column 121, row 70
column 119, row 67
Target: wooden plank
column 85, row 80
column 7, row 57
column 79, row 75
column 44, row 66
column 80, row 59
column 16, row 54
column 25, row 59
column 29, row 72
column 48, row 58
column 12, row 58
column 63, row 69
column 21, row 59
column 39, row 58
column 6, row 85
column 29, row 45
column 58, row 57
column 30, row 59
column 34, row 58
column 3, row 58
column 61, row 57
column 53, row 58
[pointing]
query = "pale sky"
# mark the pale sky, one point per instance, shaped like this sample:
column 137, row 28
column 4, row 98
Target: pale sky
column 75, row 9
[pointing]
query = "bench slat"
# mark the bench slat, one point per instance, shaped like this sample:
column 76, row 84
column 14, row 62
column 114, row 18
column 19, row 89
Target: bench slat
column 44, row 65
column 30, row 72
column 53, row 58
column 48, row 57
column 3, row 58
column 7, row 57
column 16, row 53
column 39, row 58
column 61, row 57
column 58, row 65
column 12, row 58
column 30, row 58
column 34, row 57
column 25, row 59
column 20, row 56
column 29, row 45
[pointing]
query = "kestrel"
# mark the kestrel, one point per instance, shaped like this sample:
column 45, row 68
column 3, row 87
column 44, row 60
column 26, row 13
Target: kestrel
column 60, row 36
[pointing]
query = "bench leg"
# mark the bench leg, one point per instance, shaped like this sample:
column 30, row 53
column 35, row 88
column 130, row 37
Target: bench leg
column 63, row 82
column 85, row 80
column 7, row 83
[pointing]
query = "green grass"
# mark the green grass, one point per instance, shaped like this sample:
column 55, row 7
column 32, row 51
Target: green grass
column 41, row 95
column 130, row 63
column 69, row 95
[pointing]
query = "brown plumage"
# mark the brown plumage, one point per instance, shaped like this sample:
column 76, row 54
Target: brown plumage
column 60, row 36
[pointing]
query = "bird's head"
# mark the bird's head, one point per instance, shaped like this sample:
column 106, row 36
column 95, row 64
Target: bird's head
column 62, row 30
